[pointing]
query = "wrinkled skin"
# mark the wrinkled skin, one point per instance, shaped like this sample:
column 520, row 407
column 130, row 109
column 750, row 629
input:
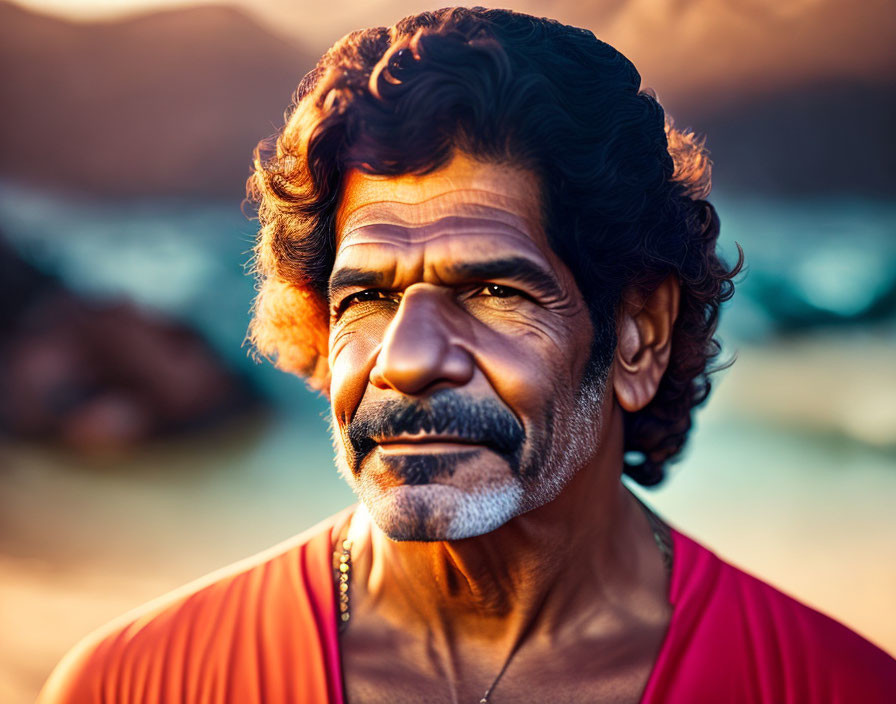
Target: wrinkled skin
column 453, row 316
column 510, row 532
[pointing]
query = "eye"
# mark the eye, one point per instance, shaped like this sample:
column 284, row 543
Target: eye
column 499, row 291
column 371, row 294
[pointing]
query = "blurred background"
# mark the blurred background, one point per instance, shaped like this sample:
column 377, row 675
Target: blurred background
column 141, row 447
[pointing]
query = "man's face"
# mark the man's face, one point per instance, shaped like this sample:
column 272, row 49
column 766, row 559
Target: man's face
column 458, row 348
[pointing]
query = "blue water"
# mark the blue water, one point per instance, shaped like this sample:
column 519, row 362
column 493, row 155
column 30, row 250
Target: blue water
column 811, row 262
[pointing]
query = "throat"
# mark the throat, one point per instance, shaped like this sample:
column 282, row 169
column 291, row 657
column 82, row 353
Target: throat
column 535, row 569
column 464, row 612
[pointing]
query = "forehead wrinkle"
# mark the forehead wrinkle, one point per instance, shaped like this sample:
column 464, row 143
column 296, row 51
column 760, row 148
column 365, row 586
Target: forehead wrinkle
column 474, row 203
column 451, row 226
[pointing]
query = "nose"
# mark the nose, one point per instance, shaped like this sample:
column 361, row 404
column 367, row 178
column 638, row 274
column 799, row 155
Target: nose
column 420, row 347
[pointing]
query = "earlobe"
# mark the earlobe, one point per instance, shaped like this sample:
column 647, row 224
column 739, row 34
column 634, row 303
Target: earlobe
column 644, row 343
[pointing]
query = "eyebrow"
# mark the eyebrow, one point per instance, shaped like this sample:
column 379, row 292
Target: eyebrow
column 350, row 277
column 513, row 268
column 518, row 269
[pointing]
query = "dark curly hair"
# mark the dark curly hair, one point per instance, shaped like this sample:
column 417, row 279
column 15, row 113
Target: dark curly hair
column 623, row 190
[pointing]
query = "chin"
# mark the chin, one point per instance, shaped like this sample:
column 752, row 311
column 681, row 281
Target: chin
column 431, row 512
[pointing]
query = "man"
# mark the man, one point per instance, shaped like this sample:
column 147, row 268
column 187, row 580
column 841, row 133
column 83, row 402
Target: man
column 482, row 242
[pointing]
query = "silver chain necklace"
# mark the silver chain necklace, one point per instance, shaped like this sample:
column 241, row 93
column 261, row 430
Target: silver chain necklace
column 344, row 570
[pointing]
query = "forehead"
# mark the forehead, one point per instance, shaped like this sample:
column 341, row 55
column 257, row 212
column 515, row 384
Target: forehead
column 465, row 198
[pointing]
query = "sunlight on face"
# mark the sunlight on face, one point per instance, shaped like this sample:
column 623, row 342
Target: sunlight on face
column 458, row 343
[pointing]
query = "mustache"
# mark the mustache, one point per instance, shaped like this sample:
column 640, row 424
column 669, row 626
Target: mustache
column 481, row 421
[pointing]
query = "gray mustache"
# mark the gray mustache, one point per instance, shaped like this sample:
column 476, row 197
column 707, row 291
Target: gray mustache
column 448, row 412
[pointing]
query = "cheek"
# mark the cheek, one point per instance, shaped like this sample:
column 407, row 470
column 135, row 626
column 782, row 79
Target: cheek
column 352, row 354
column 531, row 361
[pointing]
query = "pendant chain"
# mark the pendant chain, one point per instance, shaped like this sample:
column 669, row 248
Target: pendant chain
column 344, row 571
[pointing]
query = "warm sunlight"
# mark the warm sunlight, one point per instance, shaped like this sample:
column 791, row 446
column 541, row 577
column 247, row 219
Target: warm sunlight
column 103, row 9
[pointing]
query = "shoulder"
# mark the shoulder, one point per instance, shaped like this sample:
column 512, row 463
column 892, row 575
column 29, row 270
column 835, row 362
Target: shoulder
column 191, row 641
column 754, row 638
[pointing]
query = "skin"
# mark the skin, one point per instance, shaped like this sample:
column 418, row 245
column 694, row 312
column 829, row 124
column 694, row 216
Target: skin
column 567, row 576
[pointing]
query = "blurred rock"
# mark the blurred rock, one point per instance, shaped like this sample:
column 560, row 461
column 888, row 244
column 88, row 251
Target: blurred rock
column 102, row 377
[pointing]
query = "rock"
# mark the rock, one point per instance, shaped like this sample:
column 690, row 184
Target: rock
column 103, row 376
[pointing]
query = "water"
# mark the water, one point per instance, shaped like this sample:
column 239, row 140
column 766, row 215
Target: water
column 811, row 262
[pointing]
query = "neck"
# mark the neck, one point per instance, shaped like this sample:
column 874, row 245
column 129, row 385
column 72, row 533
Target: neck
column 588, row 550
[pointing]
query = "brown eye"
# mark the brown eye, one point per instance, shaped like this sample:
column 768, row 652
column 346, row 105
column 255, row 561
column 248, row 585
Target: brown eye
column 368, row 295
column 498, row 291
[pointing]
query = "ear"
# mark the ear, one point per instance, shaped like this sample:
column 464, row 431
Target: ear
column 644, row 343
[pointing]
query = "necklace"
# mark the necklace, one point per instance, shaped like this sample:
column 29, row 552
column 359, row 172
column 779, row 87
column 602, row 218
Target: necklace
column 661, row 537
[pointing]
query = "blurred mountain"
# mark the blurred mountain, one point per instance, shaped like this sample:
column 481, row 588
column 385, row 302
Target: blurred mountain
column 696, row 49
column 171, row 102
column 793, row 97
column 824, row 137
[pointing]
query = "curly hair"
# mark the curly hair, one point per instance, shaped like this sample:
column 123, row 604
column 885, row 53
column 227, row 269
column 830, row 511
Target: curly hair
column 623, row 190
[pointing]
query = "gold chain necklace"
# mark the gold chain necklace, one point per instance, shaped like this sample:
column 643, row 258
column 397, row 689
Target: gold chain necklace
column 344, row 570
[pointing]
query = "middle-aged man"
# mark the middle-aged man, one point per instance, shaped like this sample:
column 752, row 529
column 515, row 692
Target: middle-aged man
column 495, row 257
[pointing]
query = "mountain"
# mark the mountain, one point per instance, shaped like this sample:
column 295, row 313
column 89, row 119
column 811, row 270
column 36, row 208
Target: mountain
column 692, row 49
column 830, row 136
column 172, row 102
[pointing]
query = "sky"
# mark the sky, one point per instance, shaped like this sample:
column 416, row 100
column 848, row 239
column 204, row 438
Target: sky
column 755, row 46
column 95, row 9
